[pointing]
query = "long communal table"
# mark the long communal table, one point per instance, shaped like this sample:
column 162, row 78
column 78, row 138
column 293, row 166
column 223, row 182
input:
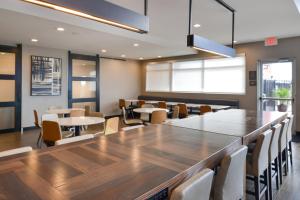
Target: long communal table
column 139, row 164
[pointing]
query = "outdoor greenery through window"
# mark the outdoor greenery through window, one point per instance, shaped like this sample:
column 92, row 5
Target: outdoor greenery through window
column 220, row 75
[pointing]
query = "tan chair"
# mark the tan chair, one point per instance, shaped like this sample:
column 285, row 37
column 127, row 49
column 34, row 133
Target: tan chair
column 282, row 149
column 130, row 122
column 87, row 109
column 162, row 104
column 37, row 125
column 52, row 132
column 257, row 165
column 205, row 109
column 273, row 158
column 122, row 103
column 15, row 151
column 158, row 117
column 230, row 179
column 140, row 103
column 289, row 138
column 197, row 187
column 183, row 110
column 74, row 139
column 175, row 114
column 77, row 113
column 112, row 126
column 94, row 129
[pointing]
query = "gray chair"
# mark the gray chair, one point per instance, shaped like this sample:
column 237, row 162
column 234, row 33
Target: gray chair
column 289, row 138
column 282, row 149
column 197, row 187
column 257, row 165
column 230, row 178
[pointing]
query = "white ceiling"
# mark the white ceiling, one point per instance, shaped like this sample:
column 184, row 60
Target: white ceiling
column 255, row 20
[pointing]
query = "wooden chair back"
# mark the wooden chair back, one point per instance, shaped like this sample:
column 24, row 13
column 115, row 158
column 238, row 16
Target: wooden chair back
column 112, row 126
column 36, row 119
column 140, row 103
column 122, row 103
column 87, row 109
column 77, row 113
column 175, row 114
column 162, row 104
column 158, row 117
column 205, row 109
column 51, row 132
column 183, row 111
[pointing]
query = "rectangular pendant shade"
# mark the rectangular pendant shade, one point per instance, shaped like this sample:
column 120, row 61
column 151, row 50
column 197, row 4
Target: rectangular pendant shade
column 203, row 44
column 101, row 11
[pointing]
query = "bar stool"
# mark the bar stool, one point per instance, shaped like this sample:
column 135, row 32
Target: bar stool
column 257, row 165
column 289, row 138
column 273, row 158
column 198, row 187
column 282, row 149
column 229, row 181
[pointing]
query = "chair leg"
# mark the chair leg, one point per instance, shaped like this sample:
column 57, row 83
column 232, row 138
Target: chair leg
column 39, row 140
column 286, row 169
column 270, row 181
column 257, row 187
column 277, row 173
column 266, row 182
column 291, row 152
column 280, row 167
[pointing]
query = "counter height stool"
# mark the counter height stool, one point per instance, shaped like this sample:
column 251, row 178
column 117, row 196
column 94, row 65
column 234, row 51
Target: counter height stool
column 289, row 138
column 197, row 187
column 282, row 149
column 257, row 165
column 273, row 158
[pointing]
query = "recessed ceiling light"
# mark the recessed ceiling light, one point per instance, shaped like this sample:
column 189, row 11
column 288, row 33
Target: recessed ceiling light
column 141, row 58
column 103, row 51
column 123, row 56
column 60, row 29
column 159, row 56
column 136, row 44
column 2, row 53
column 34, row 40
column 197, row 25
column 235, row 41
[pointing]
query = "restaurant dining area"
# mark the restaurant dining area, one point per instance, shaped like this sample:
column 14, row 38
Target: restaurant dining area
column 156, row 100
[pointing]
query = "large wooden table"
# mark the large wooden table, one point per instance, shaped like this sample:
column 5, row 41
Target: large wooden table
column 129, row 165
column 246, row 124
column 135, row 164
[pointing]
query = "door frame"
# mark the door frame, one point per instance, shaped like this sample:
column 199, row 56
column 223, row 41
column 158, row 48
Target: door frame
column 260, row 79
column 17, row 104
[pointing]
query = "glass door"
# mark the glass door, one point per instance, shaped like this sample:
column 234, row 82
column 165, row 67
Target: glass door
column 83, row 81
column 276, row 85
column 10, row 88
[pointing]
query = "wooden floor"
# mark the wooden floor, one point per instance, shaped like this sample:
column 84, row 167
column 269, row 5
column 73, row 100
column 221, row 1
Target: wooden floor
column 290, row 190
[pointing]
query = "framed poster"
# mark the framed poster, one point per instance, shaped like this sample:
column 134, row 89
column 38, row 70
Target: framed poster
column 46, row 75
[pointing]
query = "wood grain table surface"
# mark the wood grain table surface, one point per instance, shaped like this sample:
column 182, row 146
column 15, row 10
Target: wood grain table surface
column 235, row 122
column 136, row 164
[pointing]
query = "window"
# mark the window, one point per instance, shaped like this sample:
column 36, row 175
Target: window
column 222, row 75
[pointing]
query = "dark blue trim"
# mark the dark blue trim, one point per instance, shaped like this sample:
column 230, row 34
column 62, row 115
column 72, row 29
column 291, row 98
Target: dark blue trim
column 84, row 78
column 8, row 130
column 82, row 100
column 8, row 104
column 7, row 77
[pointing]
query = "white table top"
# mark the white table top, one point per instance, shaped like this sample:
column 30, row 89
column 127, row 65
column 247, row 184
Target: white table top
column 131, row 100
column 62, row 111
column 148, row 110
column 80, row 121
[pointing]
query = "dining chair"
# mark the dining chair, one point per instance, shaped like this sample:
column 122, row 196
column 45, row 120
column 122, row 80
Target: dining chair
column 158, row 117
column 51, row 132
column 282, row 149
column 175, row 114
column 197, row 187
column 273, row 158
column 112, row 126
column 128, row 128
column 289, row 139
column 87, row 109
column 95, row 129
column 77, row 113
column 38, row 126
column 130, row 122
column 205, row 109
column 162, row 104
column 145, row 116
column 257, row 165
column 183, row 110
column 15, row 151
column 129, row 109
column 140, row 103
column 230, row 178
column 74, row 139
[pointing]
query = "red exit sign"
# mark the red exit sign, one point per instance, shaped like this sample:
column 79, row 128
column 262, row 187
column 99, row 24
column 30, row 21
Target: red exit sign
column 271, row 41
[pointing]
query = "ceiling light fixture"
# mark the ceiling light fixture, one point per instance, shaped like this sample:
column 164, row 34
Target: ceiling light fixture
column 60, row 29
column 197, row 25
column 206, row 45
column 101, row 11
column 34, row 40
column 103, row 51
column 159, row 56
column 136, row 44
column 141, row 58
column 235, row 41
column 123, row 55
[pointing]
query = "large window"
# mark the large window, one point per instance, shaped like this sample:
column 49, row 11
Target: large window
column 222, row 75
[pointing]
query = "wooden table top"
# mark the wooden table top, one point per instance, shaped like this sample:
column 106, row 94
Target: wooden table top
column 80, row 121
column 128, row 165
column 241, row 123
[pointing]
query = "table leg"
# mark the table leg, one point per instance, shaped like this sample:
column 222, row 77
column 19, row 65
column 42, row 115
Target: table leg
column 77, row 130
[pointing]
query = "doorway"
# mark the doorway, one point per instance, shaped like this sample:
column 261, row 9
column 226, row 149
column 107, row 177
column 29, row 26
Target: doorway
column 276, row 88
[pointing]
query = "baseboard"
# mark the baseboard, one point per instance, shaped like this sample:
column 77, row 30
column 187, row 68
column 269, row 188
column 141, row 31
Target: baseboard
column 29, row 128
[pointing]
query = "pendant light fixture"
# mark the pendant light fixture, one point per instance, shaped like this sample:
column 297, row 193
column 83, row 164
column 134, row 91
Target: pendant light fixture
column 204, row 44
column 101, row 11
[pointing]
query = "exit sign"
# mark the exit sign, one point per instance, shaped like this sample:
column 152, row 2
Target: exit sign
column 271, row 41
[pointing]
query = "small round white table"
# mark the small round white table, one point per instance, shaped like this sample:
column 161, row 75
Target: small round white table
column 63, row 111
column 79, row 121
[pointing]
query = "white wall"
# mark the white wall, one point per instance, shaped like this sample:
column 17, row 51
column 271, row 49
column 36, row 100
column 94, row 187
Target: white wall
column 118, row 79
